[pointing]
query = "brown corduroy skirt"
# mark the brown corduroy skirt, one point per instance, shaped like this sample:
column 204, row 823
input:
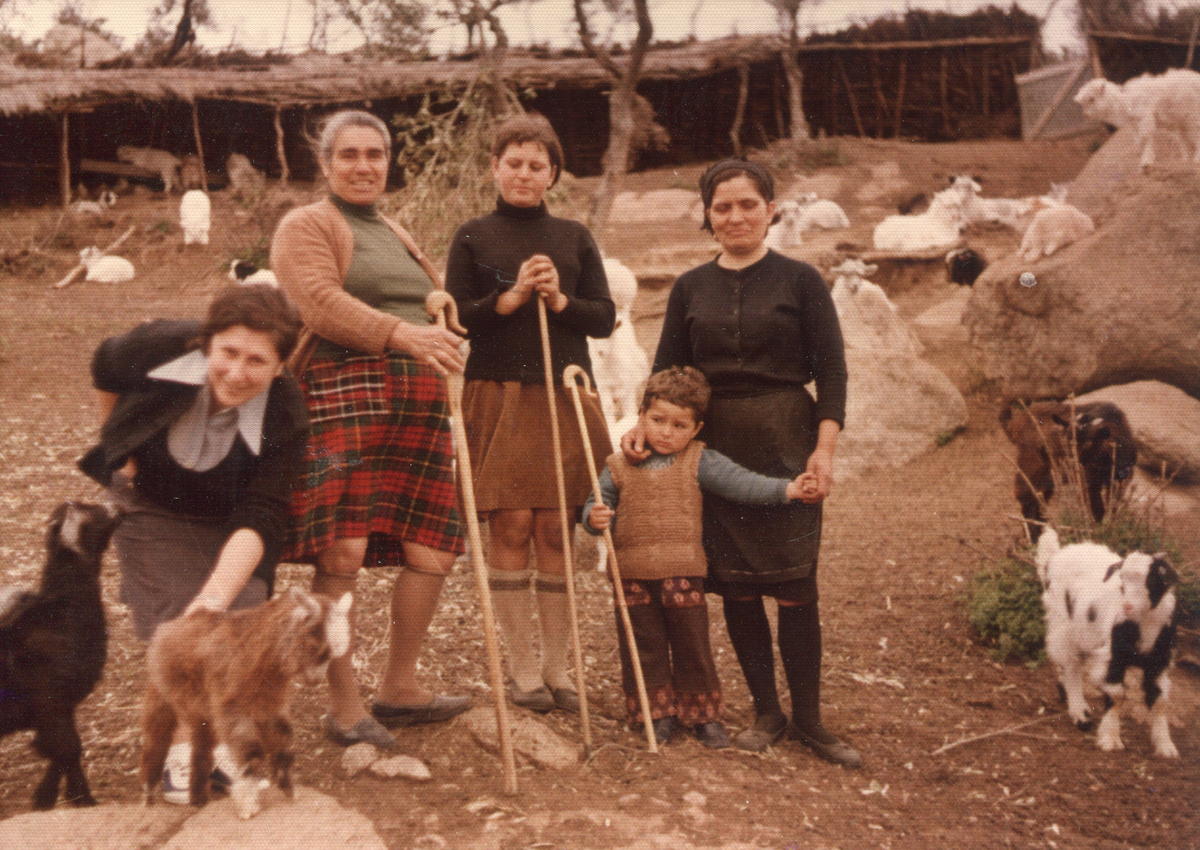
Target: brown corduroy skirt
column 512, row 448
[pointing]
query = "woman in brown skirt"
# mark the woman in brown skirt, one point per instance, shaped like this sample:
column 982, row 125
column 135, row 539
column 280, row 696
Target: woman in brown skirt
column 378, row 487
column 498, row 266
column 761, row 326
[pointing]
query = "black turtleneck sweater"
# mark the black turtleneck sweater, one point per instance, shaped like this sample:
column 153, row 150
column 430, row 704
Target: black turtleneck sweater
column 484, row 259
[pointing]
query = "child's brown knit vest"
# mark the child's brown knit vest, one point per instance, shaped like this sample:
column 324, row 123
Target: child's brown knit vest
column 658, row 530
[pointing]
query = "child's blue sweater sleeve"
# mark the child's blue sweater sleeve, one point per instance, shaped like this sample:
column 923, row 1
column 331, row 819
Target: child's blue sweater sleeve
column 611, row 496
column 719, row 475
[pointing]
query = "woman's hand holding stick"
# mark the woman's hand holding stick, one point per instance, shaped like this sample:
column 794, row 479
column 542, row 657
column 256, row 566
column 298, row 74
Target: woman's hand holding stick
column 441, row 304
column 569, row 380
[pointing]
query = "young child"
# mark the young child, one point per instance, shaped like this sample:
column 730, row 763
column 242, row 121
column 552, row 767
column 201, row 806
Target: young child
column 660, row 555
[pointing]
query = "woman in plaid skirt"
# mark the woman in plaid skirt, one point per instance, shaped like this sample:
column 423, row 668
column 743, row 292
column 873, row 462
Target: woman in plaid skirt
column 379, row 486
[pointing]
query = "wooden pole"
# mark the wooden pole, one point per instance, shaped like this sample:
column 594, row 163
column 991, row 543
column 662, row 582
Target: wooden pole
column 900, row 94
column 199, row 144
column 569, row 380
column 1187, row 63
column 943, row 84
column 572, row 610
column 858, row 124
column 439, row 303
column 64, row 162
column 280, row 152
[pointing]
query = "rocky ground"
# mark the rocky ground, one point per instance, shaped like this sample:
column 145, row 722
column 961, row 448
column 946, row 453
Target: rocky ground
column 961, row 751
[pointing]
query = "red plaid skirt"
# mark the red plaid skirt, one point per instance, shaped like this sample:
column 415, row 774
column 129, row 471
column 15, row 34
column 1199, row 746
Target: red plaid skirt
column 379, row 462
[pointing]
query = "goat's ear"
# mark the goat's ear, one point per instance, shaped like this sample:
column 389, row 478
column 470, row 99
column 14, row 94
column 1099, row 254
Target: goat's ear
column 1160, row 564
column 70, row 527
column 1112, row 570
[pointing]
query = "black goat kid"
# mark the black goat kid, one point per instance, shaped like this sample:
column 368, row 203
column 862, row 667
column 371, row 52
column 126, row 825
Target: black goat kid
column 53, row 644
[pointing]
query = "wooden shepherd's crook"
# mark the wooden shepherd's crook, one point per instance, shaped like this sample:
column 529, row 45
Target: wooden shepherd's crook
column 569, row 375
column 580, row 685
column 438, row 303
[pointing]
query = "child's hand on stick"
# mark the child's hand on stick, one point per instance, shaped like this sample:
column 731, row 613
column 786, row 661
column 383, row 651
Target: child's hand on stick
column 600, row 517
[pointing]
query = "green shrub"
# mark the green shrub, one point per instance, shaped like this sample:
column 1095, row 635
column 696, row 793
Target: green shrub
column 1004, row 606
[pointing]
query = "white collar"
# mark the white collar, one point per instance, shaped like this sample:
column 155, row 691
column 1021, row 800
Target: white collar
column 192, row 369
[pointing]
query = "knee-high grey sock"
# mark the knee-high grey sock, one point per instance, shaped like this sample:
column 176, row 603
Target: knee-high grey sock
column 513, row 604
column 556, row 629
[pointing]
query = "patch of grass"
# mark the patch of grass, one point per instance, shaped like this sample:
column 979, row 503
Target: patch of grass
column 163, row 226
column 947, row 437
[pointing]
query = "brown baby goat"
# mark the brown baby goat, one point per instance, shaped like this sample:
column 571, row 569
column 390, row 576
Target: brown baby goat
column 226, row 678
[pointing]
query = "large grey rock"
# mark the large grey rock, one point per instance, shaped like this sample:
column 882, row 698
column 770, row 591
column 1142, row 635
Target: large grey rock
column 1118, row 306
column 1166, row 426
column 531, row 740
column 897, row 407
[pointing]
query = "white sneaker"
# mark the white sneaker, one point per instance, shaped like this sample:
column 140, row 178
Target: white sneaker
column 175, row 784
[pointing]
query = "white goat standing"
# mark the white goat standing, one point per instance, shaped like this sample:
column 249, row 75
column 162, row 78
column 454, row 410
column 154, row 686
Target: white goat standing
column 105, row 268
column 619, row 364
column 786, row 232
column 195, row 217
column 868, row 318
column 1168, row 103
column 1105, row 614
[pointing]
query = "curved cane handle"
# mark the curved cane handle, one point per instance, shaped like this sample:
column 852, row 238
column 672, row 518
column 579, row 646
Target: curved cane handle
column 440, row 305
column 574, row 371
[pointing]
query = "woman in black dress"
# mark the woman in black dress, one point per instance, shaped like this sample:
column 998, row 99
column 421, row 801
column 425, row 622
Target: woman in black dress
column 761, row 326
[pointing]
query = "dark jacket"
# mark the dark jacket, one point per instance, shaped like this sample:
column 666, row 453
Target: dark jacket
column 146, row 406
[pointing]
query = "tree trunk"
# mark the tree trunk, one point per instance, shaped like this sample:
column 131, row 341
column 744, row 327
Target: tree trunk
column 799, row 129
column 616, row 155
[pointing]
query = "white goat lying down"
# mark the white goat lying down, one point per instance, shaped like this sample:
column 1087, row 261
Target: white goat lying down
column 938, row 227
column 1054, row 227
column 105, row 268
column 227, row 678
column 1105, row 614
column 1168, row 103
column 807, row 212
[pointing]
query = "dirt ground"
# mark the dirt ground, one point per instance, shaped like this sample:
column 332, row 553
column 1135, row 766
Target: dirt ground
column 903, row 678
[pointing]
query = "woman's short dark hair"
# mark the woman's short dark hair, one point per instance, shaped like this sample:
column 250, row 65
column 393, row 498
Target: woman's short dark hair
column 257, row 306
column 727, row 169
column 342, row 119
column 682, row 386
column 530, row 127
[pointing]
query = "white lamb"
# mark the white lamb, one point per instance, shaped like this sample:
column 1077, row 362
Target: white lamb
column 195, row 216
column 1052, row 228
column 820, row 214
column 619, row 364
column 1168, row 103
column 980, row 210
column 104, row 268
column 1105, row 614
column 938, row 227
column 868, row 318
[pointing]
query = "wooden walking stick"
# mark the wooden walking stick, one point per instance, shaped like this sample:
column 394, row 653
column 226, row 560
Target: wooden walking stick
column 439, row 303
column 580, row 685
column 569, row 375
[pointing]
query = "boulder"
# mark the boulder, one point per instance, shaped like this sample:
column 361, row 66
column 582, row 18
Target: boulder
column 110, row 826
column 1118, row 306
column 897, row 407
column 657, row 205
column 531, row 740
column 1166, row 426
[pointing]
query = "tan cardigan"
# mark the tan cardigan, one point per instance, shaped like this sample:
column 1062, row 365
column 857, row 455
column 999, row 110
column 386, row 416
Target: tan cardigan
column 310, row 256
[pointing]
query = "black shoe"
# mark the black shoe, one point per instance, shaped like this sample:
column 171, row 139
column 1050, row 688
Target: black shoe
column 664, row 729
column 767, row 729
column 435, row 711
column 566, row 699
column 712, row 735
column 827, row 747
column 539, row 699
column 365, row 731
